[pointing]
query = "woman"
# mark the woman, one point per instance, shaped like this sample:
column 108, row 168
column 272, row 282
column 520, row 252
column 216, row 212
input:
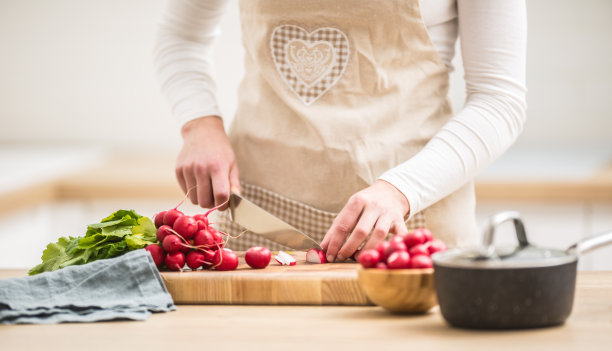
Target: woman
column 344, row 126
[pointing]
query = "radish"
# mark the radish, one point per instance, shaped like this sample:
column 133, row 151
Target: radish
column 159, row 219
column 381, row 247
column 285, row 259
column 436, row 245
column 175, row 261
column 369, row 258
column 172, row 243
column 381, row 265
column 204, row 239
column 225, row 260
column 195, row 259
column 171, row 216
column 185, row 226
column 202, row 221
column 209, row 256
column 395, row 244
column 315, row 256
column 399, row 260
column 414, row 238
column 186, row 247
column 157, row 253
column 420, row 249
column 426, row 233
column 163, row 231
column 258, row 257
column 421, row 261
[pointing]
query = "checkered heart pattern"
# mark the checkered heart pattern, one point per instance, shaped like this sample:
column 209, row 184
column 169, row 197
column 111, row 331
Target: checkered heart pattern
column 306, row 219
column 310, row 63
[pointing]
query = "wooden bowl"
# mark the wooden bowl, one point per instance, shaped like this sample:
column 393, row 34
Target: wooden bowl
column 400, row 290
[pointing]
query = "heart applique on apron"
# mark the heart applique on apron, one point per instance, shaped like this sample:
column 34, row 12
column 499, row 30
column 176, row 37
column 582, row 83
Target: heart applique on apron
column 310, row 63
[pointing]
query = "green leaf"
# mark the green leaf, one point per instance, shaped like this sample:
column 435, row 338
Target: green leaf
column 146, row 228
column 135, row 242
column 55, row 255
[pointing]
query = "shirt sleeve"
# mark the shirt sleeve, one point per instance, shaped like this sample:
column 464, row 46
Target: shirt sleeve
column 493, row 45
column 184, row 56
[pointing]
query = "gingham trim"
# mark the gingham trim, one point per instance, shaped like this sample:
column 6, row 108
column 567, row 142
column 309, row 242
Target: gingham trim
column 289, row 67
column 305, row 218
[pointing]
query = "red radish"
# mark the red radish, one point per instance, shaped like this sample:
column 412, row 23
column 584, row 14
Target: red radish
column 195, row 259
column 172, row 243
column 315, row 256
column 399, row 260
column 382, row 247
column 225, row 260
column 159, row 219
column 209, row 256
column 436, row 245
column 395, row 244
column 421, row 261
column 186, row 248
column 258, row 257
column 369, row 258
column 163, row 231
column 420, row 249
column 285, row 259
column 202, row 221
column 414, row 238
column 426, row 233
column 185, row 226
column 204, row 239
column 171, row 216
column 157, row 253
column 381, row 265
column 175, row 261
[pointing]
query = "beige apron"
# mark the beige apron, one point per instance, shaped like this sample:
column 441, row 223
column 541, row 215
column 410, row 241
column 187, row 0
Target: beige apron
column 334, row 94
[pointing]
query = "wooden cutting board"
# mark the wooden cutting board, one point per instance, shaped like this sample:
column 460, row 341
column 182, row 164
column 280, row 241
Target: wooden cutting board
column 302, row 284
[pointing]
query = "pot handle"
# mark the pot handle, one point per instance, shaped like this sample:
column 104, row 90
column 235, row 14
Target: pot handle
column 591, row 243
column 488, row 246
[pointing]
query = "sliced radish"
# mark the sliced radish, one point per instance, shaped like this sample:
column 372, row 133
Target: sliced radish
column 315, row 256
column 285, row 259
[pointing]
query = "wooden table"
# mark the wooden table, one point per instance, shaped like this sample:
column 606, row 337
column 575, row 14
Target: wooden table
column 290, row 328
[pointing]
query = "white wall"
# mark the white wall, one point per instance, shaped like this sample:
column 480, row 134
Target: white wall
column 81, row 71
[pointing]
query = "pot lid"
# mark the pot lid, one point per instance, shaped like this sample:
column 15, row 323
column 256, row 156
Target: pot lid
column 525, row 255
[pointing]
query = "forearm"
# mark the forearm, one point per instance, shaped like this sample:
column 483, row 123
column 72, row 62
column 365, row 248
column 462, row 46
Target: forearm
column 493, row 39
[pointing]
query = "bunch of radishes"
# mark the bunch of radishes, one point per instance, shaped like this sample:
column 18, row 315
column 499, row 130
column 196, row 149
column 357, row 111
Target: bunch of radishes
column 192, row 240
column 403, row 251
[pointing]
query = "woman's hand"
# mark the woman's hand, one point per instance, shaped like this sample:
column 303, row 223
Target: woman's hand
column 378, row 209
column 207, row 161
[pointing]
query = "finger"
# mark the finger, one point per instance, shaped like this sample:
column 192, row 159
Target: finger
column 178, row 171
column 203, row 190
column 360, row 233
column 234, row 177
column 379, row 233
column 190, row 184
column 342, row 227
column 399, row 227
column 220, row 185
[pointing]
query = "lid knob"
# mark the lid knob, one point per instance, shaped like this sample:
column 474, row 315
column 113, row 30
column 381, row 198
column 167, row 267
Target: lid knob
column 488, row 247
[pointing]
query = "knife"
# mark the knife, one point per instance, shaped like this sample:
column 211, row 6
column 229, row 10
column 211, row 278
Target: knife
column 262, row 222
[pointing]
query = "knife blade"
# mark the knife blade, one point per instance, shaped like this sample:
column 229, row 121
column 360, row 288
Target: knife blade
column 262, row 222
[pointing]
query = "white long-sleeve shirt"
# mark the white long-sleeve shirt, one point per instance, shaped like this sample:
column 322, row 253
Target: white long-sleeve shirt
column 493, row 47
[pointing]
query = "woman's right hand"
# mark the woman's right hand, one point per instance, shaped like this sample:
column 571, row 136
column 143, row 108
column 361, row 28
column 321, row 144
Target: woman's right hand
column 207, row 161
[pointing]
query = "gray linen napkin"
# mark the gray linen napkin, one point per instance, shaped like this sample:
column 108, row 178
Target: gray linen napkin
column 124, row 287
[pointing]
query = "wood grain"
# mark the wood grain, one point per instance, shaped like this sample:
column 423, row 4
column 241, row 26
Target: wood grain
column 302, row 284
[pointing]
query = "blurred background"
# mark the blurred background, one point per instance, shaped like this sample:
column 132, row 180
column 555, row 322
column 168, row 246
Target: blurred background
column 85, row 130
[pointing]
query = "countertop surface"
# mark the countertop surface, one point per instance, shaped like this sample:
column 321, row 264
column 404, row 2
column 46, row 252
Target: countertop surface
column 321, row 328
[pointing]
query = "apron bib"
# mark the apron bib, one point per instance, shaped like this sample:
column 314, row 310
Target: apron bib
column 335, row 94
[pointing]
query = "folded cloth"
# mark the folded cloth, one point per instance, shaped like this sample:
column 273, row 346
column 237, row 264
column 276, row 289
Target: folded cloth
column 125, row 287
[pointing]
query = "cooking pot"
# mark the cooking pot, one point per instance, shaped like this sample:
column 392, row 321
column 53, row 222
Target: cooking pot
column 524, row 287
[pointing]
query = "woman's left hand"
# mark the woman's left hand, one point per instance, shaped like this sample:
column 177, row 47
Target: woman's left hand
column 378, row 209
